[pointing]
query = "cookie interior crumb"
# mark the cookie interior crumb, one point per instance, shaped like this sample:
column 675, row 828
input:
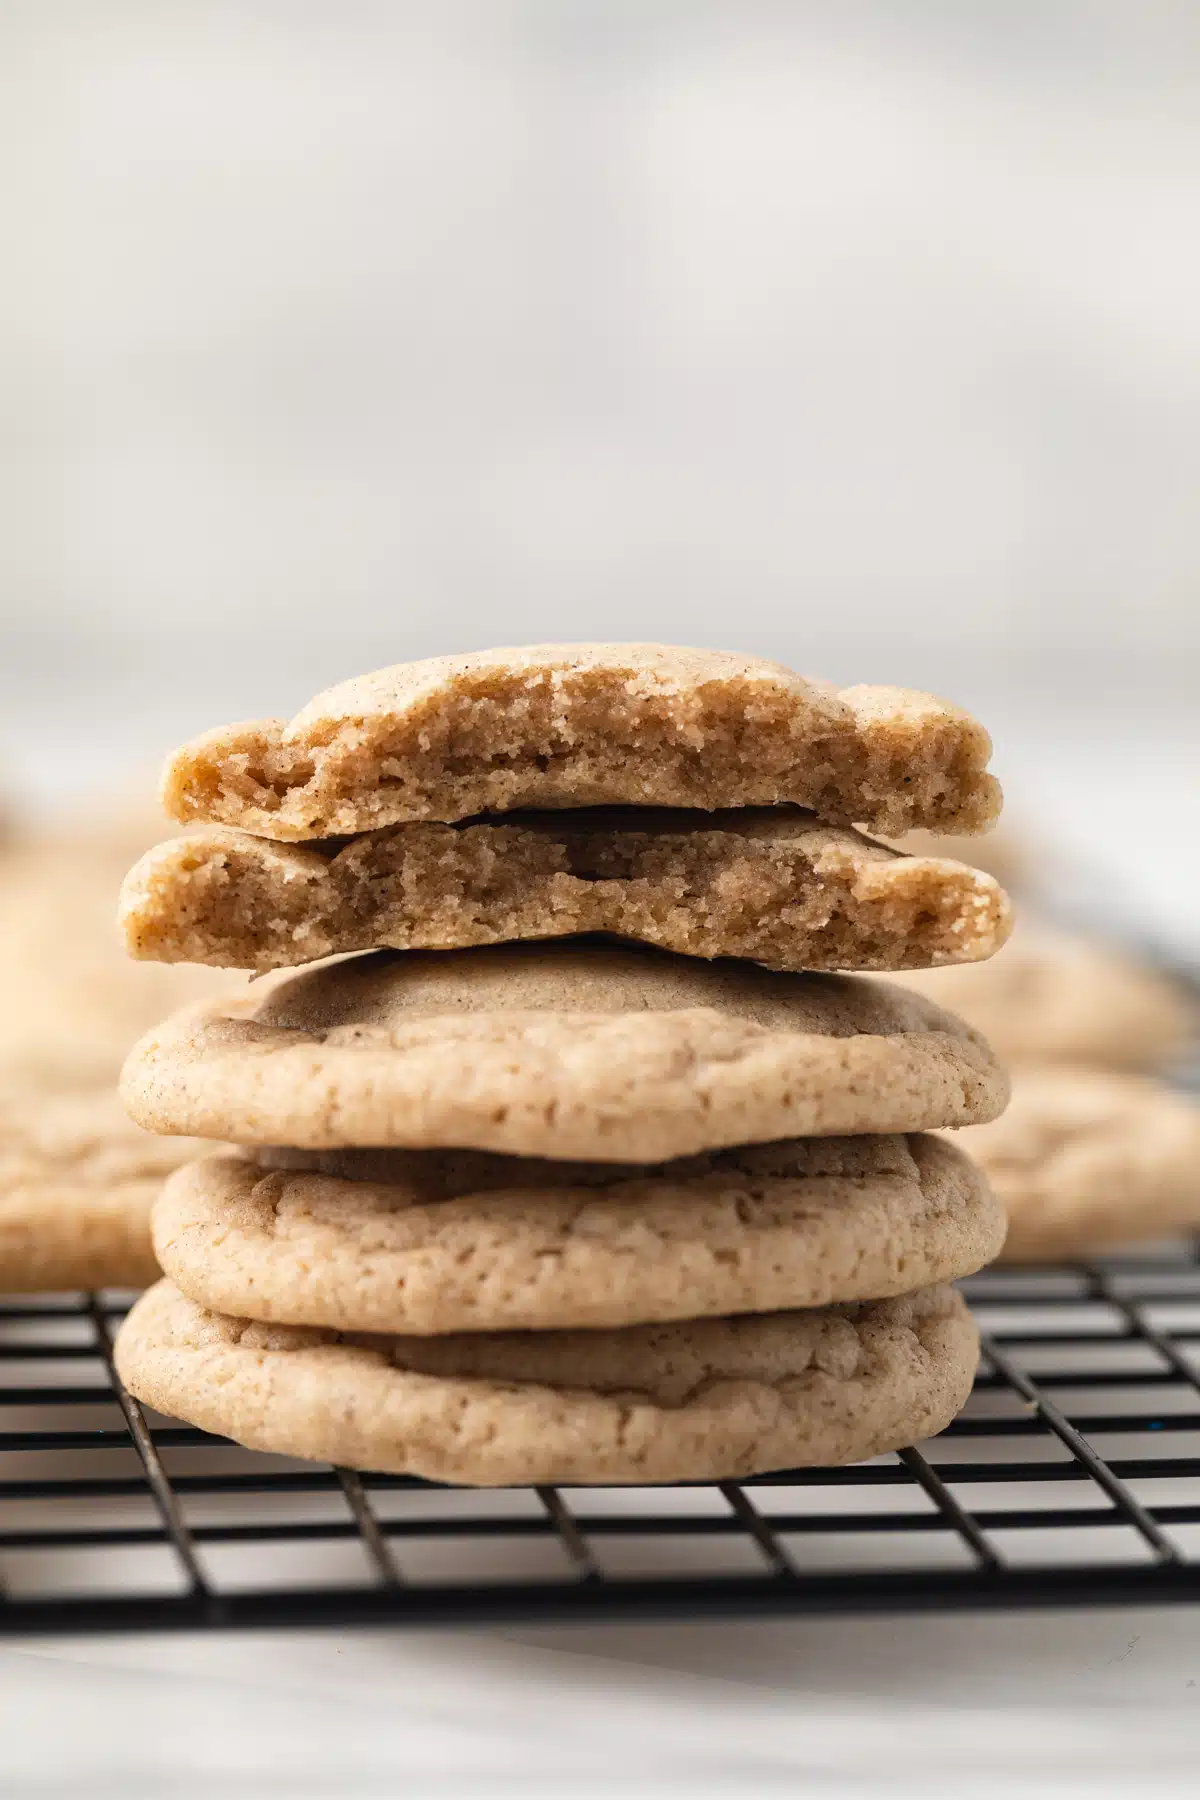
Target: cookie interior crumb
column 571, row 725
column 773, row 885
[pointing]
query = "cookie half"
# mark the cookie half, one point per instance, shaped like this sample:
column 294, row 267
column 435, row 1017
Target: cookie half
column 707, row 1400
column 77, row 1181
column 592, row 1053
column 589, row 725
column 770, row 884
column 1051, row 996
column 464, row 1241
column 1085, row 1160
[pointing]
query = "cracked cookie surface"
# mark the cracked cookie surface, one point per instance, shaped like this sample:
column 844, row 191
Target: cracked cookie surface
column 586, row 1052
column 445, row 1241
column 709, row 1399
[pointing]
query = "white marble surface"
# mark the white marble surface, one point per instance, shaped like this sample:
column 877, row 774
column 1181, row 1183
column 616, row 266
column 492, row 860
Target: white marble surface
column 1090, row 1704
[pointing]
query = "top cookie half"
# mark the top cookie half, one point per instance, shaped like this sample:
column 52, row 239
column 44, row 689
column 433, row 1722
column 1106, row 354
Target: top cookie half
column 555, row 725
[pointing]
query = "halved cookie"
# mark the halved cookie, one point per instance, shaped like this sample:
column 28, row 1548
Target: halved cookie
column 592, row 1053
column 77, row 1181
column 465, row 1241
column 706, row 1400
column 1085, row 1160
column 770, row 884
column 589, row 725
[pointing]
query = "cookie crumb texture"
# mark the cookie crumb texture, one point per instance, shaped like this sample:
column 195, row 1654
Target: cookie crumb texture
column 77, row 1182
column 706, row 1400
column 1085, row 1160
column 771, row 884
column 591, row 1053
column 461, row 1241
column 589, row 725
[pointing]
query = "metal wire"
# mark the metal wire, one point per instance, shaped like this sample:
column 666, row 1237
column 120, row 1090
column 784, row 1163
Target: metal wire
column 1086, row 1401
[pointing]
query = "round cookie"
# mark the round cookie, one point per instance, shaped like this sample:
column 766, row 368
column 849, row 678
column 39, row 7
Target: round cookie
column 77, row 1181
column 588, row 1052
column 705, row 1400
column 566, row 725
column 771, row 884
column 1085, row 1160
column 463, row 1241
column 1051, row 996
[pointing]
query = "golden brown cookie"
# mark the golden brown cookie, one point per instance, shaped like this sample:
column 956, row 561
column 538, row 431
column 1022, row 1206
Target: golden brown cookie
column 771, row 884
column 464, row 1241
column 554, row 725
column 592, row 1053
column 707, row 1400
column 1085, row 1160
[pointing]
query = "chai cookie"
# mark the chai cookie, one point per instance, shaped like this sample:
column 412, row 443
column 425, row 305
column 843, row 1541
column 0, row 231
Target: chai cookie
column 707, row 1400
column 464, row 1241
column 555, row 725
column 770, row 884
column 587, row 1052
column 1050, row 996
column 1085, row 1159
column 77, row 1181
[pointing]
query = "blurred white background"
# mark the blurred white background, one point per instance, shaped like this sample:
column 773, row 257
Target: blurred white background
column 866, row 335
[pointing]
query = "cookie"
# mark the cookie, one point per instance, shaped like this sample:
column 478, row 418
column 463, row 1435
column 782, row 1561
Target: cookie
column 73, row 1002
column 1050, row 996
column 770, row 884
column 1085, row 1159
column 555, row 725
column 77, row 1181
column 588, row 1052
column 707, row 1400
column 464, row 1241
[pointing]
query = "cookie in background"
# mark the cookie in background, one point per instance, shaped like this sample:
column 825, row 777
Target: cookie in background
column 1089, row 1160
column 1055, row 996
column 74, row 1003
column 1098, row 1150
column 77, row 1182
column 77, row 1176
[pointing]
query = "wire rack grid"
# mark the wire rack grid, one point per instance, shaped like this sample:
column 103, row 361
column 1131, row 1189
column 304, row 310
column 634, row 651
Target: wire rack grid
column 1073, row 1476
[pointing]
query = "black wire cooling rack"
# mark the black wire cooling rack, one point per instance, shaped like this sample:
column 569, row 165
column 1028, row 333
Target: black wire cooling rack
column 1073, row 1476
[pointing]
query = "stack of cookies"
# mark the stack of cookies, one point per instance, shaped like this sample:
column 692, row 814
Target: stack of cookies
column 588, row 1163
